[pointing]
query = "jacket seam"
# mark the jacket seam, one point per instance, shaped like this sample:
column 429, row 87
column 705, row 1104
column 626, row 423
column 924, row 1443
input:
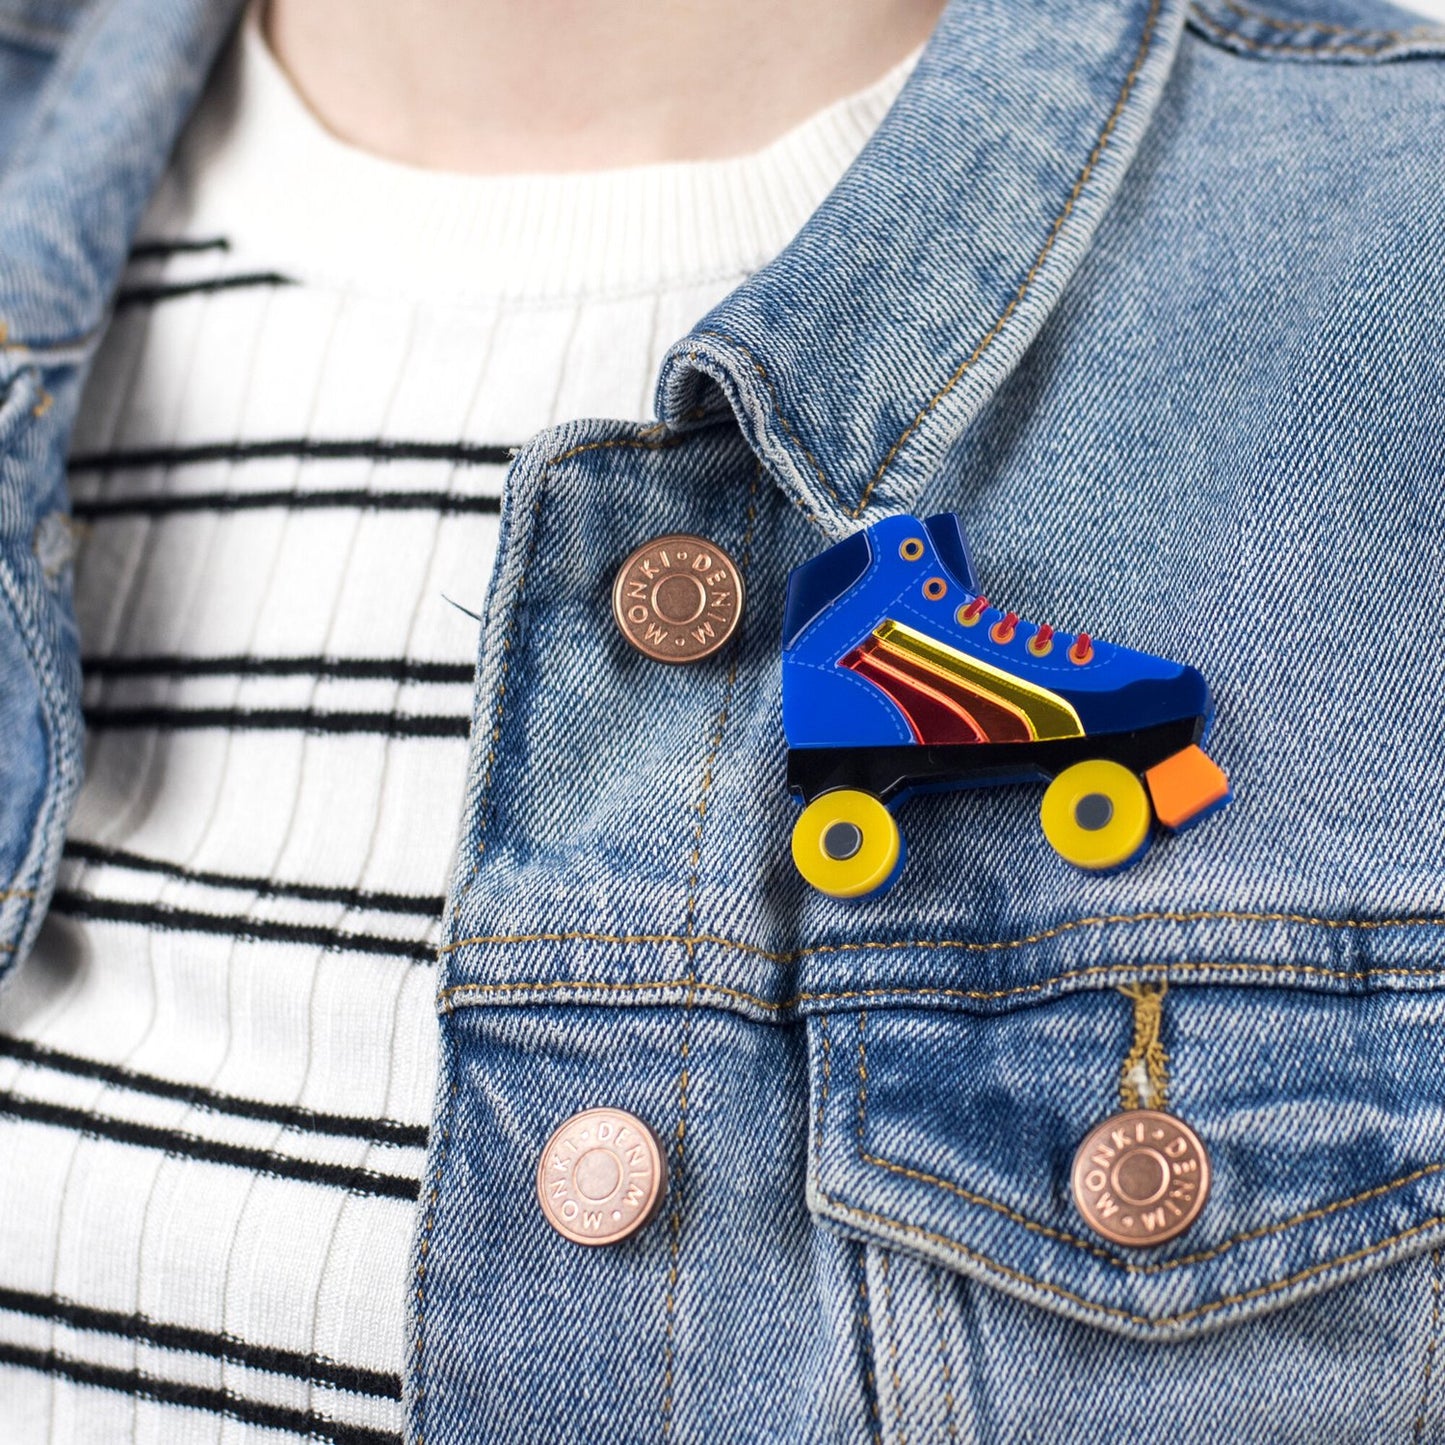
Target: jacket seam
column 824, row 1079
column 446, row 999
column 1431, row 1345
column 863, row 1315
column 677, row 1188
column 1073, row 925
column 945, row 1370
column 889, row 1324
column 1130, row 1267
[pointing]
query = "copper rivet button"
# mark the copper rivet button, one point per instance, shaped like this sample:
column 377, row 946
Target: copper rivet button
column 678, row 598
column 1141, row 1177
column 601, row 1177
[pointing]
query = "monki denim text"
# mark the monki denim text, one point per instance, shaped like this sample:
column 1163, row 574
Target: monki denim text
column 1153, row 295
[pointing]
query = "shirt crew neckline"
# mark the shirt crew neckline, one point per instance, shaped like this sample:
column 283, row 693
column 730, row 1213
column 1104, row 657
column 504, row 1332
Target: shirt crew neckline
column 257, row 167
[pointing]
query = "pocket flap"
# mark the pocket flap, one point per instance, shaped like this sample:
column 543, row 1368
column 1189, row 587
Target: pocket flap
column 952, row 1136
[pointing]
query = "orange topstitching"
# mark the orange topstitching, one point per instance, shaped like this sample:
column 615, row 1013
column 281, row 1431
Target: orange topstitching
column 1184, row 968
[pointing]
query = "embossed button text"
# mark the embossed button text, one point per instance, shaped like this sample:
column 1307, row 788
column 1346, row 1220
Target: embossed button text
column 678, row 598
column 601, row 1177
column 1141, row 1178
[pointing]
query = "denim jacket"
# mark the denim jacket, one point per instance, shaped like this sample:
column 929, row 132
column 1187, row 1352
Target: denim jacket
column 1150, row 293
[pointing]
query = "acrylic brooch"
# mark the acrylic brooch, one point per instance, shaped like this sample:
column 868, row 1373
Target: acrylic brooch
column 899, row 677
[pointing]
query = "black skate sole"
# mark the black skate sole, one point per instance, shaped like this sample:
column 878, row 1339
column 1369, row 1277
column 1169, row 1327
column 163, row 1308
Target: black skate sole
column 889, row 772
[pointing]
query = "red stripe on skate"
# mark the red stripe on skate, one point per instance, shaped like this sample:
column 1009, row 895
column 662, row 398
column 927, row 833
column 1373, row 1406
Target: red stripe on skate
column 933, row 716
column 939, row 709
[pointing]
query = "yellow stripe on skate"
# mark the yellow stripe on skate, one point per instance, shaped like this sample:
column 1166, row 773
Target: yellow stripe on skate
column 1047, row 715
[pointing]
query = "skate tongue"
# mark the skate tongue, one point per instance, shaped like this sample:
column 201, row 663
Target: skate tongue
column 945, row 531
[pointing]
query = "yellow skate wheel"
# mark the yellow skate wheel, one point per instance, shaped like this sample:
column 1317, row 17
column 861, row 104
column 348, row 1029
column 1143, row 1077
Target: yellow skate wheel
column 1096, row 815
column 846, row 843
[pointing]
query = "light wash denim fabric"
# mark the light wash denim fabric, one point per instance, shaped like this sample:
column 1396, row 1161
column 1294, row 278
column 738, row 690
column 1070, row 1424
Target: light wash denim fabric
column 1153, row 295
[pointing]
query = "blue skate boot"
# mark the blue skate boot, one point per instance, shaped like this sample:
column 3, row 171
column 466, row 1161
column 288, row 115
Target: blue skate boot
column 898, row 676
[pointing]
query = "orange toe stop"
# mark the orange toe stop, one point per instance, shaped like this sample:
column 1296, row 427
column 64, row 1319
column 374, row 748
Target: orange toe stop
column 1185, row 785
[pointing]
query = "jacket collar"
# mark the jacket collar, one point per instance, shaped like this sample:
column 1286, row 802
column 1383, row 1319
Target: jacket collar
column 854, row 360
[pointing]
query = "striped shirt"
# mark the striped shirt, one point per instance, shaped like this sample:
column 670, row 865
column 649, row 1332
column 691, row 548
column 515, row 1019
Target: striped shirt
column 217, row 1070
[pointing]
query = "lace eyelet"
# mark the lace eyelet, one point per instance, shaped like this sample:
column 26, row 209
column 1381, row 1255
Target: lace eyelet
column 1042, row 642
column 1003, row 630
column 1082, row 651
column 969, row 614
column 911, row 549
column 935, row 588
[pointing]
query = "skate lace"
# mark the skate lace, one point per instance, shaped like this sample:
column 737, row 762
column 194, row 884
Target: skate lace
column 1040, row 644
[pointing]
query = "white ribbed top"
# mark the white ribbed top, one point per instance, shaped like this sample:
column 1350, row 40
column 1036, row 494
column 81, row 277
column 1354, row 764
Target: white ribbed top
column 328, row 212
column 224, row 1047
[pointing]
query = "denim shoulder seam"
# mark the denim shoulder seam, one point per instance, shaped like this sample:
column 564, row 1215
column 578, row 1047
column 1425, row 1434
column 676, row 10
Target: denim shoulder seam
column 1243, row 30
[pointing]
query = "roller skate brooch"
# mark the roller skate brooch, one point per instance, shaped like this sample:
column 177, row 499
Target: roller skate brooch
column 899, row 677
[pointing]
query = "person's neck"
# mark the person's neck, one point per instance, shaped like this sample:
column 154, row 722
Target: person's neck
column 497, row 86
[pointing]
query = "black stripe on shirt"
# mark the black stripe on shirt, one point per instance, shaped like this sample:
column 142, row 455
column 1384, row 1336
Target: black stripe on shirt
column 196, row 1397
column 151, row 249
column 172, row 504
column 152, row 295
column 258, row 930
column 315, row 1369
column 310, row 449
column 378, row 669
column 209, row 1151
column 290, row 1116
column 425, row 905
column 392, row 725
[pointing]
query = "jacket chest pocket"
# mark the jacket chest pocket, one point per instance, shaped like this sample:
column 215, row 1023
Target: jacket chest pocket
column 944, row 1143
